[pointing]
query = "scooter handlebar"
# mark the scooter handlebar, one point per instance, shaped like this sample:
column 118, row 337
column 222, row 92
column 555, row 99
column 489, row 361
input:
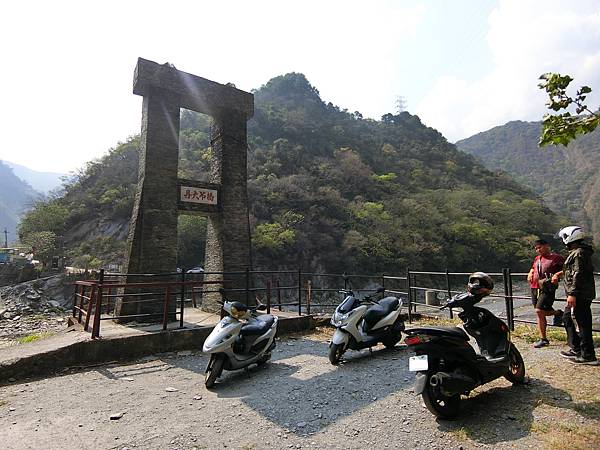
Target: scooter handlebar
column 346, row 292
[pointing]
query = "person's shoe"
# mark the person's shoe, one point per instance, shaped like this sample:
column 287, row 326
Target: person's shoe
column 542, row 343
column 569, row 354
column 585, row 359
column 557, row 321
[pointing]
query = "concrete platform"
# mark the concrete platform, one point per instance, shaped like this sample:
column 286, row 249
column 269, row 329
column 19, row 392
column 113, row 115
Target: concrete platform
column 74, row 347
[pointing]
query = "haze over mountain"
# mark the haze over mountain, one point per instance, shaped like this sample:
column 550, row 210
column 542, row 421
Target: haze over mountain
column 43, row 182
column 329, row 191
column 15, row 197
column 568, row 179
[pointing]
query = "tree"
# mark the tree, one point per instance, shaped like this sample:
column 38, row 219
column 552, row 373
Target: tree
column 44, row 243
column 565, row 127
column 45, row 216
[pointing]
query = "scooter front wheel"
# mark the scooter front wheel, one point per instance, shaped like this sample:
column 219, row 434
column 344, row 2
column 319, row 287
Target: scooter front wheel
column 214, row 369
column 516, row 371
column 437, row 403
column 335, row 353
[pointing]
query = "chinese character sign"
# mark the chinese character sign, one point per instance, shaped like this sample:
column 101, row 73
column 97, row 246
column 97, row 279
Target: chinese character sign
column 198, row 195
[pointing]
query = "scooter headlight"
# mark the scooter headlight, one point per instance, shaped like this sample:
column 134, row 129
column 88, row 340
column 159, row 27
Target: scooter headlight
column 338, row 318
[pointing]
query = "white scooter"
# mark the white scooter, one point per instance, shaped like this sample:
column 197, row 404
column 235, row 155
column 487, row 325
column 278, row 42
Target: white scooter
column 241, row 338
column 364, row 323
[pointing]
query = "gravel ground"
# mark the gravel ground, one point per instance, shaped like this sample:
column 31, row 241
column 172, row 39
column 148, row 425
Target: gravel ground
column 299, row 400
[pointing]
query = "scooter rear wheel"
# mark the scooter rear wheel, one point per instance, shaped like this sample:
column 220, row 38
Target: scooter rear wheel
column 214, row 370
column 438, row 404
column 335, row 353
column 516, row 370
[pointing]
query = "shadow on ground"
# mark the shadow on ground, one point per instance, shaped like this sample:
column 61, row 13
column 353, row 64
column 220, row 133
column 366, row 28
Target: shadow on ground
column 504, row 414
column 304, row 393
column 299, row 389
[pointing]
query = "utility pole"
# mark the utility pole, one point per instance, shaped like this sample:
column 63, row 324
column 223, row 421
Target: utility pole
column 400, row 104
column 5, row 238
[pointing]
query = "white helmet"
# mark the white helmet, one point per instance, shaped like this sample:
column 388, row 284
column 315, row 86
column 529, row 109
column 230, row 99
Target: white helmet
column 570, row 234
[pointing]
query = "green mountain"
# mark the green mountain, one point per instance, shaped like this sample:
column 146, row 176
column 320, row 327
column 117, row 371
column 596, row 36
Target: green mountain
column 16, row 196
column 567, row 179
column 329, row 190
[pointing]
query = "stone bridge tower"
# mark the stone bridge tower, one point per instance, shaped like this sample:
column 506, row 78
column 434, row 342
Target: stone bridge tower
column 161, row 195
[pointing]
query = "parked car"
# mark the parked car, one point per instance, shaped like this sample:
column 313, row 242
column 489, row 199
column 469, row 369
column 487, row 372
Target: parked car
column 197, row 269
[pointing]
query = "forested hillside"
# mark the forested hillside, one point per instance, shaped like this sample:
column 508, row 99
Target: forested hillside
column 15, row 197
column 329, row 190
column 568, row 179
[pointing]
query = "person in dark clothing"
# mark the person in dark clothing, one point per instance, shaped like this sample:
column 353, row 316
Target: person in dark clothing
column 578, row 276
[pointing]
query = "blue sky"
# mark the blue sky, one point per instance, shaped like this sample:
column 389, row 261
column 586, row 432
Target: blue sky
column 462, row 66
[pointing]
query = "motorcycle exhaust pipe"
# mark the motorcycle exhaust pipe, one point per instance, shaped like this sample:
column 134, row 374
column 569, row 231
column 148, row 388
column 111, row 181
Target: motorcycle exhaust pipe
column 452, row 383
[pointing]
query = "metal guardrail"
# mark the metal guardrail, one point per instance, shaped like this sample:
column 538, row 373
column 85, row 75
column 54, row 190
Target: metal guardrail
column 92, row 300
column 97, row 298
column 508, row 294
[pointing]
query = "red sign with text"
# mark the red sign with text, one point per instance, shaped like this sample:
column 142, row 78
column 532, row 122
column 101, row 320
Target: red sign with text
column 198, row 195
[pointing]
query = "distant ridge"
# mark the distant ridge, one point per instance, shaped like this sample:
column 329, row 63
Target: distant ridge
column 567, row 179
column 43, row 182
column 16, row 197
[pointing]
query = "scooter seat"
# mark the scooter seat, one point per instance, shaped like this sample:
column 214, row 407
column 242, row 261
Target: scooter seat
column 259, row 326
column 380, row 310
column 377, row 312
column 440, row 331
column 267, row 318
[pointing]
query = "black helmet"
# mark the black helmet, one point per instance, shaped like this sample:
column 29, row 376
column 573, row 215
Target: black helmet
column 480, row 283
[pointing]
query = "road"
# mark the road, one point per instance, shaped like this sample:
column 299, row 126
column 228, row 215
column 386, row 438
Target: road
column 299, row 400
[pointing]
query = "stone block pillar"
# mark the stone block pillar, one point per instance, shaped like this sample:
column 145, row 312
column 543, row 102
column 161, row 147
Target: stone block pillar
column 228, row 234
column 152, row 240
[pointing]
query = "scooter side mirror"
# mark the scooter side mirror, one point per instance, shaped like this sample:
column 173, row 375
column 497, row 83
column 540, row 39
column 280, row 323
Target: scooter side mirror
column 261, row 307
column 380, row 290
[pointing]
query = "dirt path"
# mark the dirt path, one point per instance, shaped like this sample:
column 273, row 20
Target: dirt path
column 299, row 400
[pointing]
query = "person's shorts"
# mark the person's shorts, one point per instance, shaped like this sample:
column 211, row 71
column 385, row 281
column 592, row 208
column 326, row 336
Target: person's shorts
column 534, row 296
column 542, row 300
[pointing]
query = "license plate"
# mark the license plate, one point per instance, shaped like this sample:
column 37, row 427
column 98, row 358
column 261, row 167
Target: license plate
column 418, row 363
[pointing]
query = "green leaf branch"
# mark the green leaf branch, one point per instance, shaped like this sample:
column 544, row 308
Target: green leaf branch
column 560, row 129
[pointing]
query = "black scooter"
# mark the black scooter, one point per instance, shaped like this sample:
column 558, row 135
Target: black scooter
column 448, row 367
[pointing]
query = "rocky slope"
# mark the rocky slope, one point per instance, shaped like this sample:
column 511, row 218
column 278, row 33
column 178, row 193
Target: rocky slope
column 34, row 308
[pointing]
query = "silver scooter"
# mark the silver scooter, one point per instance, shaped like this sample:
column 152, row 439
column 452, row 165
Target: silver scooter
column 241, row 338
column 364, row 323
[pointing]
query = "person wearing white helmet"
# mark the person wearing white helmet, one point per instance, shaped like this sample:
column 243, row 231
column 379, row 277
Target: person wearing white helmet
column 578, row 279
